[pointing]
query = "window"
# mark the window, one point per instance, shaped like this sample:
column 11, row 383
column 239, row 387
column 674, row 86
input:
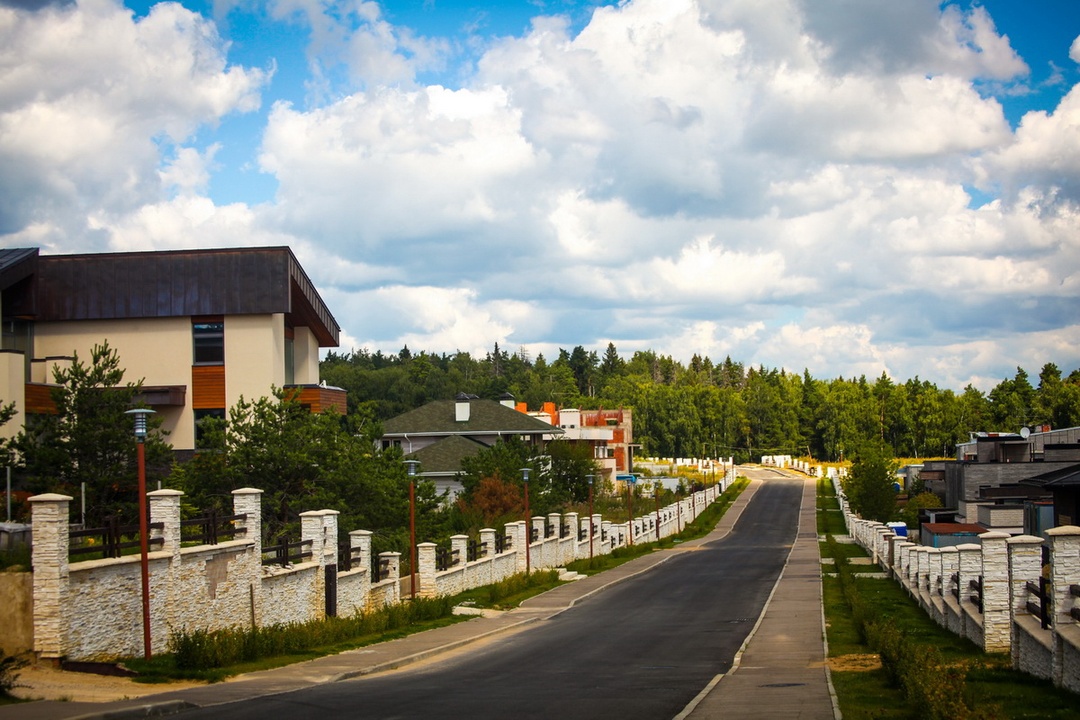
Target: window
column 290, row 361
column 208, row 340
column 200, row 426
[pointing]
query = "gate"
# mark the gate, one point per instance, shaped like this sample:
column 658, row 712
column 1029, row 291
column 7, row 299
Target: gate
column 331, row 590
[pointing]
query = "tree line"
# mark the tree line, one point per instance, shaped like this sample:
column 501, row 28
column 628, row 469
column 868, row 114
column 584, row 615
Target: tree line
column 707, row 408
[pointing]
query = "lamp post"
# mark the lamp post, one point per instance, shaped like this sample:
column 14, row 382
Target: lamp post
column 410, row 469
column 140, row 445
column 630, row 507
column 528, row 520
column 590, row 479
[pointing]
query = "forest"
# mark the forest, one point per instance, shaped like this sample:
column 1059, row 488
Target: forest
column 708, row 408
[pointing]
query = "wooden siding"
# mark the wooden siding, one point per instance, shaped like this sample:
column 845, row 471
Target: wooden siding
column 39, row 399
column 320, row 399
column 208, row 387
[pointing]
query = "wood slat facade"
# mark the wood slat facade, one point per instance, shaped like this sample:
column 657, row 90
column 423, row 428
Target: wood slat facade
column 208, row 387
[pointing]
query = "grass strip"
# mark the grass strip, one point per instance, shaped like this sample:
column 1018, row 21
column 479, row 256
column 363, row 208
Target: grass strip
column 925, row 671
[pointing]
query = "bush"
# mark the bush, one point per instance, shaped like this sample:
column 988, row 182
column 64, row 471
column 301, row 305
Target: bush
column 202, row 649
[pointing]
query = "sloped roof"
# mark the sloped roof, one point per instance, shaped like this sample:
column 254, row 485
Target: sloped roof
column 486, row 417
column 445, row 456
column 1062, row 477
column 16, row 264
column 172, row 283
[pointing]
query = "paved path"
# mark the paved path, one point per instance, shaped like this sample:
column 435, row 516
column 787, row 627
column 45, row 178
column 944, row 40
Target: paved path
column 780, row 671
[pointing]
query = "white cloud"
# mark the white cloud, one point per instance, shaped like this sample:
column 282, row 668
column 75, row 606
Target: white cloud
column 81, row 128
column 800, row 183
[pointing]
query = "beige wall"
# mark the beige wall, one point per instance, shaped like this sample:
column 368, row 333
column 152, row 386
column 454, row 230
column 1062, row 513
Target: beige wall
column 155, row 350
column 254, row 355
column 305, row 357
column 159, row 351
column 13, row 389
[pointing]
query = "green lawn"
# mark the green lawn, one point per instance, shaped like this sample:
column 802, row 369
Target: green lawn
column 993, row 689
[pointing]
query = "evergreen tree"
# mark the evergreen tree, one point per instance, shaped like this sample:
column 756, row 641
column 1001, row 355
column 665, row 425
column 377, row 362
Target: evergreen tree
column 90, row 439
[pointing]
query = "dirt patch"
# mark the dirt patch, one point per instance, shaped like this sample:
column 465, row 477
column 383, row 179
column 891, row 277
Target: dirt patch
column 40, row 682
column 855, row 663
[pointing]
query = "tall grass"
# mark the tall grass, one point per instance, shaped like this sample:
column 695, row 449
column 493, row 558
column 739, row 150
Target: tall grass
column 202, row 649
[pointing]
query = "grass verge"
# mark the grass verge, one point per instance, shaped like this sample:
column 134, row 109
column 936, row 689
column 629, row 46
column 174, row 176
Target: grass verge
column 889, row 659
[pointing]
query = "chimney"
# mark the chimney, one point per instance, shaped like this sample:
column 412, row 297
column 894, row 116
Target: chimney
column 507, row 400
column 461, row 408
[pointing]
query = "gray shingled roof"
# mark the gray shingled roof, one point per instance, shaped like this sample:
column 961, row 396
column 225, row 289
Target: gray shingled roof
column 445, row 456
column 486, row 417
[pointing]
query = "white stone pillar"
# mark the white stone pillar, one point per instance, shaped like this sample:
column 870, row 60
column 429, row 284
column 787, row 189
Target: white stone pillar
column 165, row 509
column 459, row 545
column 248, row 502
column 1025, row 563
column 1064, row 572
column 997, row 621
column 426, row 585
column 570, row 551
column 394, row 564
column 166, row 592
column 487, row 542
column 49, row 557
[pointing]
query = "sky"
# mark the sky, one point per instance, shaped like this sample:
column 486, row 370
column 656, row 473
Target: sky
column 851, row 187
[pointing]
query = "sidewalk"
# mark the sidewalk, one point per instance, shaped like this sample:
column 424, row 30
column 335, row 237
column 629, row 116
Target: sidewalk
column 781, row 670
column 803, row 606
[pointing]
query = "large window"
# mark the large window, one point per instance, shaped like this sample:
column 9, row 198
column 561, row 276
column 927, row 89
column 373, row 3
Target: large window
column 200, row 425
column 208, row 339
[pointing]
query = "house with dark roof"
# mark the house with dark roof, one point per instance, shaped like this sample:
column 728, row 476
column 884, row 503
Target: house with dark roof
column 1063, row 484
column 200, row 328
column 444, row 432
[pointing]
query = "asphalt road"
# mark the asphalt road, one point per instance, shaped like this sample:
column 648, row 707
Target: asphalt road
column 640, row 649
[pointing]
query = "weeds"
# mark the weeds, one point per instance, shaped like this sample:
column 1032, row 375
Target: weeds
column 9, row 665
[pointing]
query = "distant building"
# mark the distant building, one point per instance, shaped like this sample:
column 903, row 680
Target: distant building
column 990, row 481
column 201, row 328
column 609, row 433
column 442, row 433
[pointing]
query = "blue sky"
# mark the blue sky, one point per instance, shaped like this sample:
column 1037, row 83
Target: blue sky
column 847, row 186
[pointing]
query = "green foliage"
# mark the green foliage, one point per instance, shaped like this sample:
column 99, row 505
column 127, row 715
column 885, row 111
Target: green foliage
column 90, row 439
column 200, row 649
column 492, row 482
column 307, row 461
column 869, row 487
column 716, row 409
column 922, row 501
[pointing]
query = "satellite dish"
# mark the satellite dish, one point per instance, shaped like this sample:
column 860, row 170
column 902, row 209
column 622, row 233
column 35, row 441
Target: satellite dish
column 1025, row 432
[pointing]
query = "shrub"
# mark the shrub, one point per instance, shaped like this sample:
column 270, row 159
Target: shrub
column 202, row 649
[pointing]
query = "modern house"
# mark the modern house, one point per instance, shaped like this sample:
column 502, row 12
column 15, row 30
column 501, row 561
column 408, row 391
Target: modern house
column 200, row 328
column 999, row 479
column 609, row 433
column 444, row 432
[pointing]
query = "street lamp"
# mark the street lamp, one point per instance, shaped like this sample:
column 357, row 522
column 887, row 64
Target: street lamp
column 630, row 506
column 528, row 521
column 144, row 560
column 590, row 479
column 410, row 469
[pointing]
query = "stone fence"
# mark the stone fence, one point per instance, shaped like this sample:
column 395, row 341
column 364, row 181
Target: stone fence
column 92, row 610
column 1012, row 594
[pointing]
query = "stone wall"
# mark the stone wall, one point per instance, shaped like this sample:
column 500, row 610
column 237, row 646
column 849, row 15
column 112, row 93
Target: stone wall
column 1007, row 570
column 92, row 610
